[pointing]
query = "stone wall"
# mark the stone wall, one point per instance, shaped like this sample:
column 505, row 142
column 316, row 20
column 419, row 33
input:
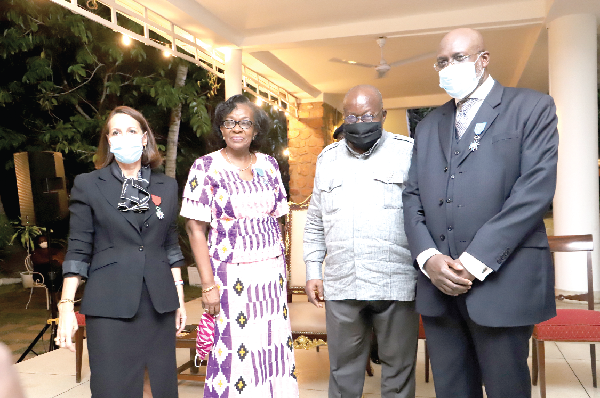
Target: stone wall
column 307, row 136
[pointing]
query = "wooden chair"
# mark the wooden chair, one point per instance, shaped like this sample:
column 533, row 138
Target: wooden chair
column 569, row 325
column 79, row 345
column 306, row 319
column 422, row 337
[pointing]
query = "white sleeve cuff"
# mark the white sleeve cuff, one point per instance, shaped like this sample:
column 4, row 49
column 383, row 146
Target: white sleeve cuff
column 314, row 270
column 478, row 269
column 424, row 256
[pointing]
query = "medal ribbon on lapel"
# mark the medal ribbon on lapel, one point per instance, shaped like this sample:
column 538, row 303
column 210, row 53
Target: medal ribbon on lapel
column 157, row 200
column 479, row 127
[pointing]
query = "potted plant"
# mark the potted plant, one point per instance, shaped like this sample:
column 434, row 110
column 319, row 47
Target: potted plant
column 26, row 235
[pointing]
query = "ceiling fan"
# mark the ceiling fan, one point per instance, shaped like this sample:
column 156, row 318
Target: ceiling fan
column 383, row 66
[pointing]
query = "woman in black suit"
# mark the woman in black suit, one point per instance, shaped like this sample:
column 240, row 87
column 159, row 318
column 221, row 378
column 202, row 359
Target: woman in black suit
column 123, row 240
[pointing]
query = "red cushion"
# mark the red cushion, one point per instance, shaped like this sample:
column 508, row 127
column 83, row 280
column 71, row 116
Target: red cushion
column 570, row 325
column 421, row 328
column 80, row 319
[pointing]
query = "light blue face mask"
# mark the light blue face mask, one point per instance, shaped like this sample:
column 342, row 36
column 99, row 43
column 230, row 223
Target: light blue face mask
column 459, row 80
column 127, row 148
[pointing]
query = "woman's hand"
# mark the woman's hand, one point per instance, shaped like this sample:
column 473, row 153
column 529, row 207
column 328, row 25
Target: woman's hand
column 211, row 301
column 180, row 319
column 67, row 326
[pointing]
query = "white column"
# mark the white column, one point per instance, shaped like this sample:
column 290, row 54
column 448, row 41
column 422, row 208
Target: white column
column 572, row 48
column 233, row 72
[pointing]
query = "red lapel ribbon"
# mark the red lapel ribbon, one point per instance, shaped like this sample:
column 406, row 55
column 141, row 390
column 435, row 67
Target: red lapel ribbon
column 156, row 199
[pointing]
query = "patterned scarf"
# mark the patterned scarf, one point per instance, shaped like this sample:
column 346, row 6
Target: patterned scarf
column 134, row 193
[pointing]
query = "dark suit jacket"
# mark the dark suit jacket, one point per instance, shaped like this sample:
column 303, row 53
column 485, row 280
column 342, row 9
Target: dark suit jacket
column 108, row 247
column 489, row 203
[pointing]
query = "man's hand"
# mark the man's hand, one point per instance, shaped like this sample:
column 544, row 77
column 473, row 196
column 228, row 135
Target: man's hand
column 444, row 272
column 461, row 271
column 314, row 291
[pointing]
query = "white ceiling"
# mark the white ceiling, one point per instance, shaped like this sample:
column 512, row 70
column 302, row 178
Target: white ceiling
column 291, row 42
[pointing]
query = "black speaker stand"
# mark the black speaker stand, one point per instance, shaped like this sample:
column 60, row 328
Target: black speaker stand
column 52, row 322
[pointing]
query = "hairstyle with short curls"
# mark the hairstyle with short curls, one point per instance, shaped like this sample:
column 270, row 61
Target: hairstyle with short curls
column 261, row 121
column 150, row 155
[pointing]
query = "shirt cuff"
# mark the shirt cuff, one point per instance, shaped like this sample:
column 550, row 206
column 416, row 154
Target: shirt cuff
column 75, row 267
column 424, row 256
column 314, row 270
column 174, row 255
column 478, row 269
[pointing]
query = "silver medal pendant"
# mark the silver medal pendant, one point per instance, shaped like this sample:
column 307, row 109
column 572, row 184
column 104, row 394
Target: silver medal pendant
column 159, row 213
column 474, row 145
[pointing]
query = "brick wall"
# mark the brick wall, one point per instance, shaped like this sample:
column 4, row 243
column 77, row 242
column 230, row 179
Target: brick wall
column 307, row 136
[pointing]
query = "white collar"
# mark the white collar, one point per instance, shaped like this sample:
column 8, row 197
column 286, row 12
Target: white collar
column 482, row 91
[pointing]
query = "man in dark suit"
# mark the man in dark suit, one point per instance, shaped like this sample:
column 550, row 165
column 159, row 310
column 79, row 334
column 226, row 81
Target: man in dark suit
column 483, row 174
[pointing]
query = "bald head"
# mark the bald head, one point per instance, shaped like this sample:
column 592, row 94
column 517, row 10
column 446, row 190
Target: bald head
column 465, row 44
column 363, row 95
column 466, row 37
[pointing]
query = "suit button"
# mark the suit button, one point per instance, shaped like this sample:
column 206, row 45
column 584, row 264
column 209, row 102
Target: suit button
column 441, row 202
column 442, row 237
column 141, row 248
column 146, row 225
column 450, row 228
column 448, row 200
column 452, row 176
column 445, row 169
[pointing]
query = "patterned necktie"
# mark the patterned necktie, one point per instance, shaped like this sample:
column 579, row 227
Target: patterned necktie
column 462, row 121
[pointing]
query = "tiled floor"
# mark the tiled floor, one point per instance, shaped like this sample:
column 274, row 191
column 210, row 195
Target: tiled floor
column 53, row 374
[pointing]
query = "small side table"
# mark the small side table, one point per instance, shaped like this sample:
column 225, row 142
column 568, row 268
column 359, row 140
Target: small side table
column 188, row 340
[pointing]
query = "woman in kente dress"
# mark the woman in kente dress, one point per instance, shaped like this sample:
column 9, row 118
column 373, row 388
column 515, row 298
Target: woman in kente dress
column 237, row 194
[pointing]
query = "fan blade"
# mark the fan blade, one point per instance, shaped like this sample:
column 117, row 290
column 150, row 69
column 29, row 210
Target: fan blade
column 413, row 59
column 343, row 61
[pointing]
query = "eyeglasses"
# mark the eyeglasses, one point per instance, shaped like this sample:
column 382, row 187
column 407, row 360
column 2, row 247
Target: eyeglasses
column 129, row 131
column 229, row 124
column 367, row 118
column 456, row 59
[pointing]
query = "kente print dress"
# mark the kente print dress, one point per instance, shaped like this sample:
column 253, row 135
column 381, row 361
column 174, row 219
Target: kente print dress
column 253, row 353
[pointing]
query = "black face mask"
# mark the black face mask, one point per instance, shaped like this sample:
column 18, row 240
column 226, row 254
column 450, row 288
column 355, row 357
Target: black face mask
column 363, row 135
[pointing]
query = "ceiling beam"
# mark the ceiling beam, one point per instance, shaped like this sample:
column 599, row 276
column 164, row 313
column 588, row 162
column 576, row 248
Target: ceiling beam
column 281, row 68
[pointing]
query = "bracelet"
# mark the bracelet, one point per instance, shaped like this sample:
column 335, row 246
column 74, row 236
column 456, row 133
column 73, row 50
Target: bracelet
column 208, row 289
column 65, row 301
column 179, row 283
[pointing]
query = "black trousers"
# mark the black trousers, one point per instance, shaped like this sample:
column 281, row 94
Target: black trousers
column 464, row 356
column 121, row 349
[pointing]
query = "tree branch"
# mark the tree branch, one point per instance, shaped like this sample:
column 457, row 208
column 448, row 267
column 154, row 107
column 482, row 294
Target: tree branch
column 104, row 90
column 87, row 102
column 81, row 85
column 81, row 111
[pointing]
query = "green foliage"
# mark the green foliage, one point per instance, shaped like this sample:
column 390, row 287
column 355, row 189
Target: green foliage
column 63, row 74
column 26, row 234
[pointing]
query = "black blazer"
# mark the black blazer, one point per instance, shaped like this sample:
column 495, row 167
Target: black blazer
column 489, row 202
column 108, row 247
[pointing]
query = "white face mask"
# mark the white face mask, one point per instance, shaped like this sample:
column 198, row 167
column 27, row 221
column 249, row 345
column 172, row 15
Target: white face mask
column 459, row 80
column 127, row 148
